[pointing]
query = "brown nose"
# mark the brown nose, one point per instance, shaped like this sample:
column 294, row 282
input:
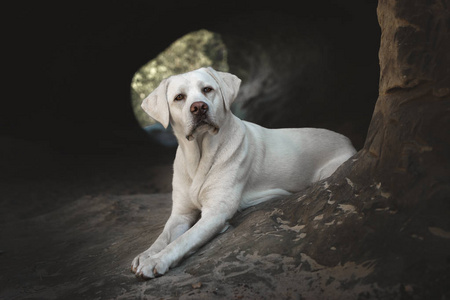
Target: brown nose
column 199, row 108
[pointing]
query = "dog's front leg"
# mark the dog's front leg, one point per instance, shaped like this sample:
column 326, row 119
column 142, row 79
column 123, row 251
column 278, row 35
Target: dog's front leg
column 176, row 225
column 209, row 225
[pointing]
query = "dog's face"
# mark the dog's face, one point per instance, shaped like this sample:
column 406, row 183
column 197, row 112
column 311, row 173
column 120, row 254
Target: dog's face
column 194, row 103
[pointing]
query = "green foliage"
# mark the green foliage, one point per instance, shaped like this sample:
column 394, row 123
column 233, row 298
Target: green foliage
column 194, row 50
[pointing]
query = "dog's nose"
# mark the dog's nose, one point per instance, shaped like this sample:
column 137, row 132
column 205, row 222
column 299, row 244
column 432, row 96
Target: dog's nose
column 199, row 108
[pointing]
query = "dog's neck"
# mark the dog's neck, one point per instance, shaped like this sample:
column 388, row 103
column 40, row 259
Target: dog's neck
column 204, row 144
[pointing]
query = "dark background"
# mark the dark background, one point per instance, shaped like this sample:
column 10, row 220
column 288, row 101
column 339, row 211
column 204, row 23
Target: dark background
column 66, row 112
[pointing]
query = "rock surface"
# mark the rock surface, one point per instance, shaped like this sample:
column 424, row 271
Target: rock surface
column 340, row 238
column 85, row 250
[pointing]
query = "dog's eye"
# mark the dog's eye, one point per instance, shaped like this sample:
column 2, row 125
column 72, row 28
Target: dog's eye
column 179, row 97
column 207, row 90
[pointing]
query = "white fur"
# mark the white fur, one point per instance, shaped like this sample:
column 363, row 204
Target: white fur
column 227, row 165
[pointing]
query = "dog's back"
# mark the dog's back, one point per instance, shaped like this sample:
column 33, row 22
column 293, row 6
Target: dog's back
column 288, row 160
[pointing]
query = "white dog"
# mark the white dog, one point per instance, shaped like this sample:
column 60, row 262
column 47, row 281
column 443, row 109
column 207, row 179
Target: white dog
column 224, row 164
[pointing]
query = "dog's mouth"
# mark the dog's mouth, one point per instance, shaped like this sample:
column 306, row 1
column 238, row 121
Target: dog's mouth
column 203, row 124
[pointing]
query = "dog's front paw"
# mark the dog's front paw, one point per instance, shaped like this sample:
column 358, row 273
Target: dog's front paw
column 139, row 259
column 149, row 267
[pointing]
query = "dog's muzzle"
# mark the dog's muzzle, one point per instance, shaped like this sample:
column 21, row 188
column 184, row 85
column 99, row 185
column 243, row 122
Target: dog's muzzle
column 199, row 111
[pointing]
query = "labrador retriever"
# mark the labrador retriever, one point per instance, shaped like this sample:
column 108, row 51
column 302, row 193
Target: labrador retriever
column 224, row 164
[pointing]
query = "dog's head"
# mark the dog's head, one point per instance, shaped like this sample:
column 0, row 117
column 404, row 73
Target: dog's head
column 194, row 102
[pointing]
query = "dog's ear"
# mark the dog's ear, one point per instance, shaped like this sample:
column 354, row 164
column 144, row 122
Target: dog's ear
column 229, row 85
column 156, row 106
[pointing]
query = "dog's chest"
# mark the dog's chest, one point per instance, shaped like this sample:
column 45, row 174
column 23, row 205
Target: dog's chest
column 195, row 182
column 195, row 189
column 196, row 165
